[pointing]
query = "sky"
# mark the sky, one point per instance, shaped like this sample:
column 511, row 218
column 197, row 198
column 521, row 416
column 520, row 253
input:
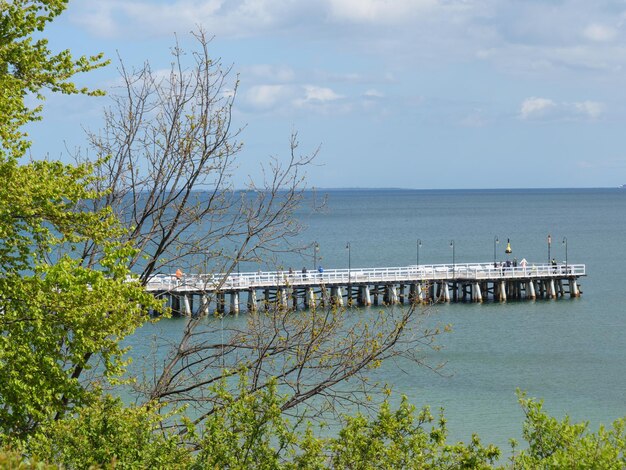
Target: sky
column 425, row 94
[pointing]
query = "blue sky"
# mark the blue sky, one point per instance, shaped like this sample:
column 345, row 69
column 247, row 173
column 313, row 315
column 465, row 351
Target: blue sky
column 398, row 93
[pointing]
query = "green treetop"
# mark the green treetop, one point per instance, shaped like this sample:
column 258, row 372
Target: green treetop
column 28, row 67
column 61, row 316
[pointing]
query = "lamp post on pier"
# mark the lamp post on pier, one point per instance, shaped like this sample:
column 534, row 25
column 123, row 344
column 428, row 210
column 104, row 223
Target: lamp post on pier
column 453, row 259
column 316, row 249
column 565, row 243
column 419, row 243
column 549, row 245
column 349, row 263
column 496, row 240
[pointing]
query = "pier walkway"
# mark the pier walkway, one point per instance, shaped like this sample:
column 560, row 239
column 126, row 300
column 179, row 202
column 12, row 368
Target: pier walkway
column 473, row 282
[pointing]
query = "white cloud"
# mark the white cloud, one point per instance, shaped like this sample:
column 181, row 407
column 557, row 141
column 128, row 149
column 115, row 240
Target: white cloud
column 286, row 98
column 320, row 94
column 268, row 96
column 372, row 93
column 600, row 33
column 531, row 38
column 536, row 107
column 591, row 109
column 544, row 108
column 377, row 11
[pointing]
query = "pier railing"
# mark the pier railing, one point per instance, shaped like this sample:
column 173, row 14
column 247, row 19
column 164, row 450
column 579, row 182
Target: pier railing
column 408, row 274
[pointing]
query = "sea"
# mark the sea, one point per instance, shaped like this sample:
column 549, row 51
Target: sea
column 570, row 353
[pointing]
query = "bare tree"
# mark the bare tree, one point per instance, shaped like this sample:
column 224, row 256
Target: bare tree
column 166, row 157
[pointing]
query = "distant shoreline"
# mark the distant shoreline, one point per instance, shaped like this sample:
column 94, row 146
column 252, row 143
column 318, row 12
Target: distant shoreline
column 460, row 189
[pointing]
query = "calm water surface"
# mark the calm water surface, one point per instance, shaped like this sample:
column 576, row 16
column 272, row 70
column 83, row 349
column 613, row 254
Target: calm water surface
column 570, row 352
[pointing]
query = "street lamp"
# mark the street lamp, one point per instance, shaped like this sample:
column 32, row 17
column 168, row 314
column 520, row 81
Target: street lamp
column 495, row 242
column 453, row 260
column 549, row 245
column 419, row 243
column 565, row 243
column 316, row 248
column 349, row 263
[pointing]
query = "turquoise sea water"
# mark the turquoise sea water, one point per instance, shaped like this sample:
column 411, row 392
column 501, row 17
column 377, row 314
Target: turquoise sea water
column 570, row 352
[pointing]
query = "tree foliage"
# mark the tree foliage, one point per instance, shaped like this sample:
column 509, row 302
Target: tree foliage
column 554, row 444
column 250, row 431
column 29, row 68
column 107, row 434
column 59, row 318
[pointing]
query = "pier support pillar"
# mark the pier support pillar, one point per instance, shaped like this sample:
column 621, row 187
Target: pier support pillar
column 325, row 300
column 175, row 305
column 234, row 302
column 477, row 294
column 294, row 298
column 307, row 297
column 221, row 302
column 281, row 299
column 252, row 304
column 391, row 295
column 266, row 298
column 188, row 305
column 530, row 285
column 364, row 296
column 502, row 291
column 573, row 288
column 445, row 291
column 336, row 296
column 204, row 305
column 551, row 289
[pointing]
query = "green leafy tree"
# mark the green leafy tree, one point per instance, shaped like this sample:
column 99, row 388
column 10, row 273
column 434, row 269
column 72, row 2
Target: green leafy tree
column 59, row 317
column 251, row 432
column 554, row 444
column 29, row 68
column 405, row 439
column 108, row 434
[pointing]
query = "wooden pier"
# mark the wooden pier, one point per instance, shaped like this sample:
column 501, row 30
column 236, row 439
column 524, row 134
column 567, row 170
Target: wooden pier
column 468, row 282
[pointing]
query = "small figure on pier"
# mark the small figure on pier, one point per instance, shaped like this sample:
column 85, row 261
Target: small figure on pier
column 179, row 274
column 320, row 270
column 553, row 262
column 305, row 275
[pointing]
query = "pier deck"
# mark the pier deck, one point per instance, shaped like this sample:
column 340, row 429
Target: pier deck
column 426, row 283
